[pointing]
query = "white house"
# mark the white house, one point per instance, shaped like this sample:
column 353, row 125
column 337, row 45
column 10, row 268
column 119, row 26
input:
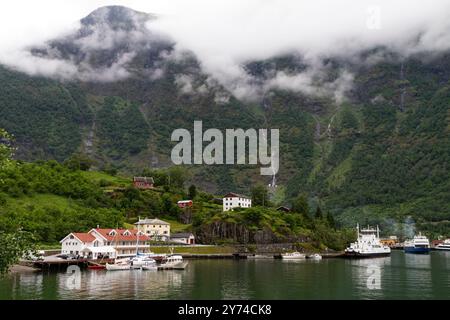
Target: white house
column 154, row 228
column 99, row 243
column 233, row 200
column 75, row 243
column 183, row 238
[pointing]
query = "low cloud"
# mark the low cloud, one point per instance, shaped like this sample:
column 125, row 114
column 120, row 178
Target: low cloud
column 227, row 35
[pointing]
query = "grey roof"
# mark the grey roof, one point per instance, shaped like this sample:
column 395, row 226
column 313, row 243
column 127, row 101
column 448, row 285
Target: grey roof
column 236, row 195
column 181, row 235
column 152, row 221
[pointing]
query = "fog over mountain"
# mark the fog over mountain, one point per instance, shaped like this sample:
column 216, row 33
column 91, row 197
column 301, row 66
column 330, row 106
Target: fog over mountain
column 225, row 36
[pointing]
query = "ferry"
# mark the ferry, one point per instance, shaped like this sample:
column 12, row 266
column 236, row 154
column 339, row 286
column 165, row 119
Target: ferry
column 368, row 245
column 419, row 245
column 444, row 246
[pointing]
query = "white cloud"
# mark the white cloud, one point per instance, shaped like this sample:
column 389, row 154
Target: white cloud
column 225, row 34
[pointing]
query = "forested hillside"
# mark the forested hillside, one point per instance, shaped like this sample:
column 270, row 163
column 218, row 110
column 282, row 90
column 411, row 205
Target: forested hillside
column 380, row 155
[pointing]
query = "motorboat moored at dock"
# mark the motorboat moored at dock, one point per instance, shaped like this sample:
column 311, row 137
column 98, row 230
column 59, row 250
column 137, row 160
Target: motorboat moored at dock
column 444, row 246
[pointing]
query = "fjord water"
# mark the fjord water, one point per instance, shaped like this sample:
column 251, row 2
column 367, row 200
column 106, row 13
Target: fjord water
column 403, row 276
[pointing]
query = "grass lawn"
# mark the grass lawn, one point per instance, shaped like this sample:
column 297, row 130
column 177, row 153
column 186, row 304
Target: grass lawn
column 42, row 200
column 101, row 176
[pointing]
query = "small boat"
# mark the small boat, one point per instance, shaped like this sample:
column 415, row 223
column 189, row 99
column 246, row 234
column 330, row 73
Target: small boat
column 418, row 245
column 149, row 266
column 315, row 256
column 119, row 265
column 368, row 245
column 141, row 260
column 173, row 262
column 293, row 256
column 444, row 246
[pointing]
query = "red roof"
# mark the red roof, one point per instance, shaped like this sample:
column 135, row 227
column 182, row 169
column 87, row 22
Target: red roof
column 120, row 235
column 84, row 237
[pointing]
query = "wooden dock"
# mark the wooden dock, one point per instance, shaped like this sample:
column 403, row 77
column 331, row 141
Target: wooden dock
column 58, row 265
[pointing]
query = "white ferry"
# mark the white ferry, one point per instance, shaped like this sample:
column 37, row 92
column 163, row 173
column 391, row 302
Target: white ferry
column 443, row 246
column 368, row 245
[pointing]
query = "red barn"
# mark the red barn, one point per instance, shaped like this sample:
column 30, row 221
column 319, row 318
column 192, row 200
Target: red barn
column 143, row 183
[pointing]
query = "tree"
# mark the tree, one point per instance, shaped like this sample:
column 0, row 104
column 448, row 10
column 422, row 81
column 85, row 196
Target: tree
column 177, row 177
column 331, row 221
column 192, row 192
column 319, row 214
column 6, row 149
column 260, row 196
column 79, row 162
column 300, row 205
column 13, row 247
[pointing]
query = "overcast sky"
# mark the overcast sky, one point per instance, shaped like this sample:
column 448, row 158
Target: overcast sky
column 224, row 33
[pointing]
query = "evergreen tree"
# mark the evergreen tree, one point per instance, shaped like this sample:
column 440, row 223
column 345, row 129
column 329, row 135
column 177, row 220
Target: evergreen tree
column 301, row 206
column 319, row 214
column 260, row 195
column 331, row 221
column 192, row 192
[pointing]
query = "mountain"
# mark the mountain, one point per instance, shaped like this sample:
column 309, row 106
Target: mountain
column 381, row 155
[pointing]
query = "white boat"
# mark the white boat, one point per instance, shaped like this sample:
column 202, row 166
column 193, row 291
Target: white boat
column 444, row 246
column 141, row 260
column 293, row 256
column 418, row 245
column 368, row 245
column 149, row 266
column 119, row 265
column 315, row 257
column 173, row 262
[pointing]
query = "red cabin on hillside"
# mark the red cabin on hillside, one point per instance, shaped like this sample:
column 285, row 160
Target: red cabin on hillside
column 185, row 204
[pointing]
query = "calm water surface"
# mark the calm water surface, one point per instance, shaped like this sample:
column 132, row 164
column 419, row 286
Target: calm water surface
column 402, row 277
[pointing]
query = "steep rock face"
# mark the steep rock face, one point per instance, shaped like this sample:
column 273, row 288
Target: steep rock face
column 220, row 231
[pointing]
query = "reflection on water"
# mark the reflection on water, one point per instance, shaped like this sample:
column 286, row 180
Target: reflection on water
column 134, row 284
column 401, row 276
column 368, row 276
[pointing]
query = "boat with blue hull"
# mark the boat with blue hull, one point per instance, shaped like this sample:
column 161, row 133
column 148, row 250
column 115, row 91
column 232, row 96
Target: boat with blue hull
column 418, row 245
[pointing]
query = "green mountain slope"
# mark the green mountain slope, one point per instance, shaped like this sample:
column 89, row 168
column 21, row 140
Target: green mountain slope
column 381, row 155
